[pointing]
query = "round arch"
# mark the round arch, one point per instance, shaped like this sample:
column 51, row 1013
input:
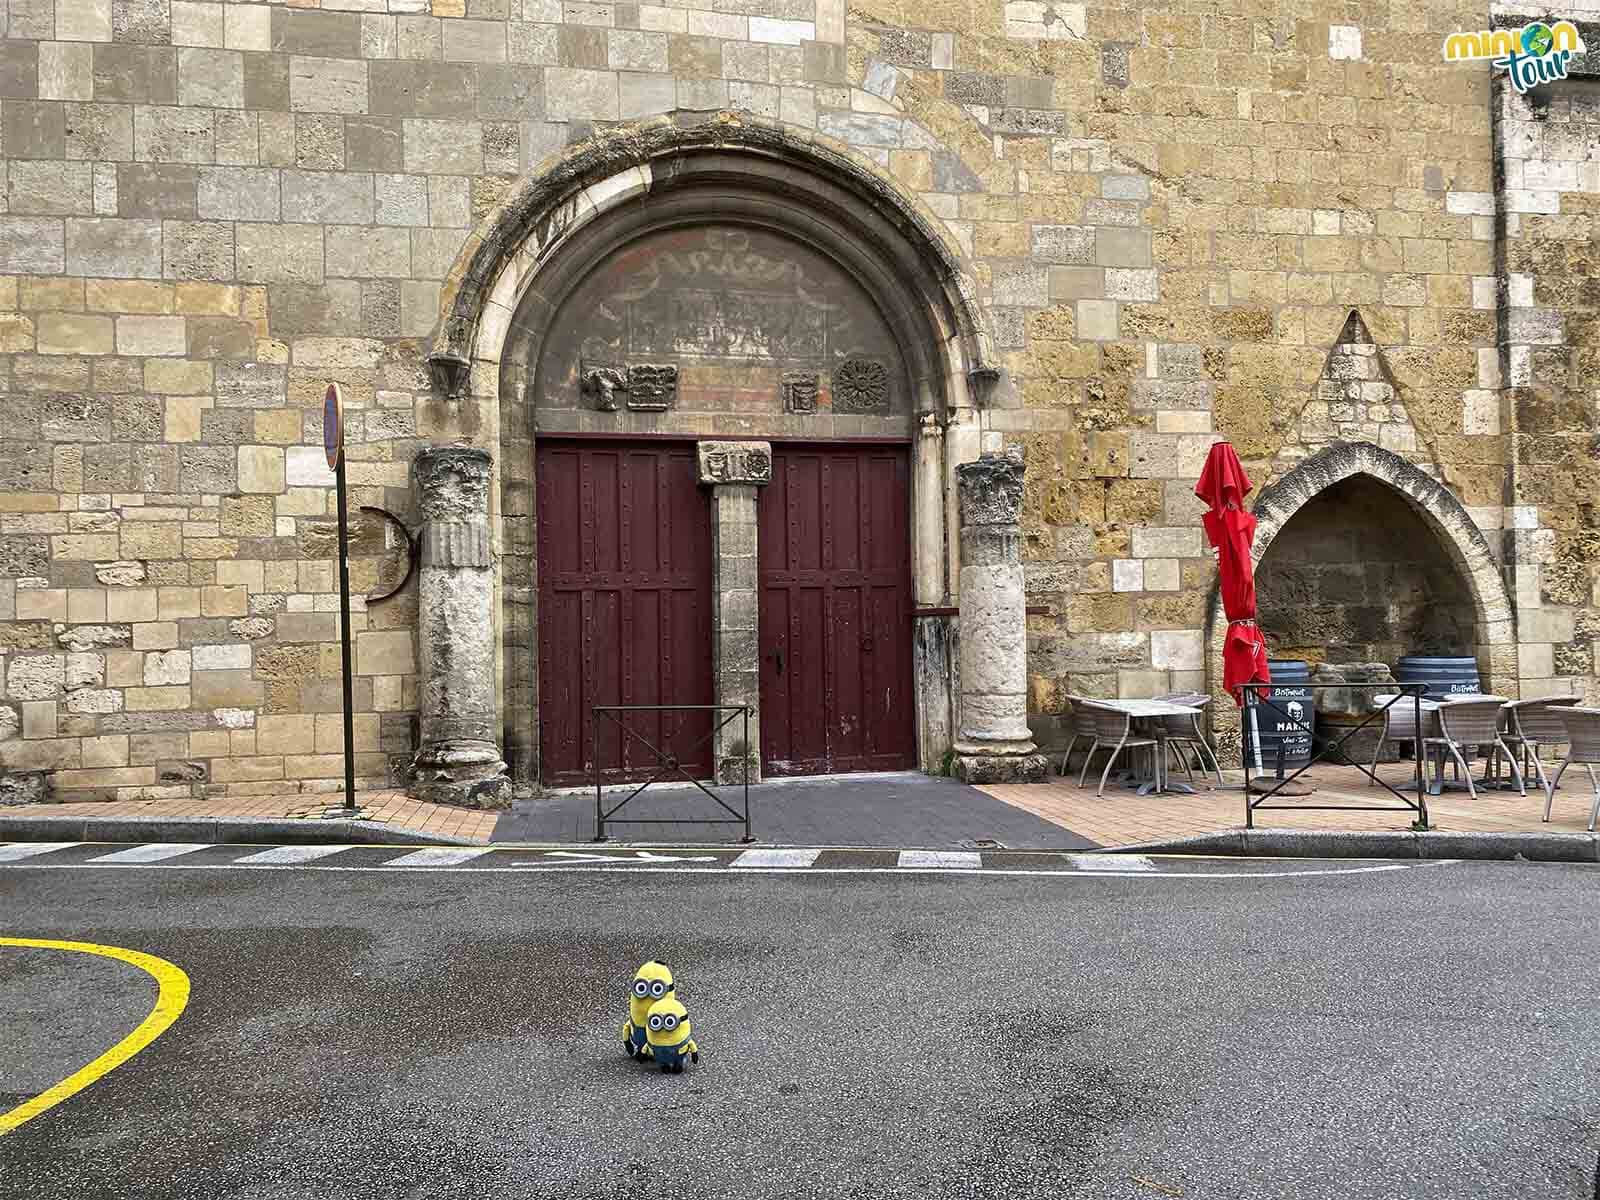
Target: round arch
column 530, row 253
column 1443, row 514
column 842, row 193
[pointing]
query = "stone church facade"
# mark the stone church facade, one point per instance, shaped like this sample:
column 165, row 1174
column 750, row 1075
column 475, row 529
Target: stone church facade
column 668, row 335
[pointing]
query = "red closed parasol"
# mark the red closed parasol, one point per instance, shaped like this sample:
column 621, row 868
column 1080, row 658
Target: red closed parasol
column 1223, row 486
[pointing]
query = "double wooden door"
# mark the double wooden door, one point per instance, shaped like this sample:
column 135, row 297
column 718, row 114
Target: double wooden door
column 835, row 611
column 624, row 608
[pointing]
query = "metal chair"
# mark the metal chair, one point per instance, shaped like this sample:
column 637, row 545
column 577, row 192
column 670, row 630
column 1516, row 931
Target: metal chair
column 1082, row 728
column 1583, row 734
column 1399, row 725
column 1113, row 729
column 1465, row 725
column 1531, row 725
column 1185, row 731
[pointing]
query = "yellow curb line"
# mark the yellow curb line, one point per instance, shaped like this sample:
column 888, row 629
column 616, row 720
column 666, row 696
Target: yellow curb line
column 170, row 1002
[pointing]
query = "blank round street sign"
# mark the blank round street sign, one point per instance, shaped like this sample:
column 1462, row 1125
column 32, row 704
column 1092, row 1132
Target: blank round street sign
column 333, row 425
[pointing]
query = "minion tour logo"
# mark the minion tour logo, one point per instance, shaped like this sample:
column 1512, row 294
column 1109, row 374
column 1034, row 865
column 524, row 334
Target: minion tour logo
column 1535, row 54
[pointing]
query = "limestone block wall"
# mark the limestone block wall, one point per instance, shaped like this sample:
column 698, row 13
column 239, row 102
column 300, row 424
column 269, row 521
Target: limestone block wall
column 208, row 210
column 1550, row 151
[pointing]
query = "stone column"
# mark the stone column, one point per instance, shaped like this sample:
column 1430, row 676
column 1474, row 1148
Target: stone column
column 459, row 759
column 994, row 744
column 735, row 471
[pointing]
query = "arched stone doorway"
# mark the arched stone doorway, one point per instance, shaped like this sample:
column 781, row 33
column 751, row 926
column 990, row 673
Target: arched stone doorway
column 1357, row 480
column 738, row 285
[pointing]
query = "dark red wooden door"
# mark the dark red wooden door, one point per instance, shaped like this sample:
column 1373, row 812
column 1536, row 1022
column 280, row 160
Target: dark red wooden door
column 624, row 604
column 835, row 578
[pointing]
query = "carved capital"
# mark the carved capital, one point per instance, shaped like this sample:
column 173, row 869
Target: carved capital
column 452, row 483
column 989, row 387
column 450, row 372
column 991, row 489
column 735, row 462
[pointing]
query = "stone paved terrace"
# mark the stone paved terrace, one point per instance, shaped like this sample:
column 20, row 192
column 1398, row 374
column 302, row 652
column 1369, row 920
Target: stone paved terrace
column 1122, row 818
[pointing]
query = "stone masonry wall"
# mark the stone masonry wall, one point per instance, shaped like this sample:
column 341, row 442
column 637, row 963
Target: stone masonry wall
column 1550, row 148
column 208, row 210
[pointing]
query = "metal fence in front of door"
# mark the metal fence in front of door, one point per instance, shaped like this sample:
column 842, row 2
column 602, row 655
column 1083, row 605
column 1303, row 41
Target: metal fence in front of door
column 669, row 762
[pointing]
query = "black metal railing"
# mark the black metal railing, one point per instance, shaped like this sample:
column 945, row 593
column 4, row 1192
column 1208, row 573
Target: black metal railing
column 669, row 762
column 1255, row 702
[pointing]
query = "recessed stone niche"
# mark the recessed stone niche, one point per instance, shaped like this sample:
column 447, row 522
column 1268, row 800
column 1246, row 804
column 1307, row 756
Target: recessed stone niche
column 1357, row 576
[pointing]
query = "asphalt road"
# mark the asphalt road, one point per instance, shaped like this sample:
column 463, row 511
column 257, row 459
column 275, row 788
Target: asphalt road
column 896, row 808
column 1423, row 1032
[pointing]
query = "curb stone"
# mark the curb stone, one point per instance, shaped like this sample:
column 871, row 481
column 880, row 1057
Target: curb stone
column 219, row 831
column 1301, row 843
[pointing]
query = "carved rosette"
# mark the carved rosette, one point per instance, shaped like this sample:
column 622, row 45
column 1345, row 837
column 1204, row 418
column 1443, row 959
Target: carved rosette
column 452, row 483
column 861, row 385
column 990, row 489
column 735, row 462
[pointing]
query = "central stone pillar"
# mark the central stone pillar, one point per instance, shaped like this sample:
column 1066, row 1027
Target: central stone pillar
column 459, row 759
column 994, row 744
column 735, row 472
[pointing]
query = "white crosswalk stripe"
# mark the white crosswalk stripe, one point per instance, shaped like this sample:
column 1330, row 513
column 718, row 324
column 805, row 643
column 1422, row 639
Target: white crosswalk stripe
column 439, row 856
column 776, row 858
column 20, row 850
column 152, row 852
column 1111, row 862
column 290, row 854
column 969, row 860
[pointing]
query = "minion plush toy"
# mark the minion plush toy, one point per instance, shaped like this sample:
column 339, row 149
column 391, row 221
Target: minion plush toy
column 667, row 1031
column 652, row 982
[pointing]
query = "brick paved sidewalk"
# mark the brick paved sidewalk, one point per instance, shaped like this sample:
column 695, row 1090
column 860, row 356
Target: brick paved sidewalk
column 1122, row 818
column 382, row 807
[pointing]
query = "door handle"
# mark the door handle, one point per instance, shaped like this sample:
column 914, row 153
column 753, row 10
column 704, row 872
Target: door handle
column 778, row 655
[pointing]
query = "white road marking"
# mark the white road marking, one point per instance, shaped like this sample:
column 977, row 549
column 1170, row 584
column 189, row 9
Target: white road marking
column 20, row 850
column 150, row 853
column 638, row 856
column 776, row 858
column 290, row 854
column 961, row 860
column 1111, row 862
column 439, row 856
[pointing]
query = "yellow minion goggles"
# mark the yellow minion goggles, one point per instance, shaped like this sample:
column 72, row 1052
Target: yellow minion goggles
column 666, row 1023
column 647, row 989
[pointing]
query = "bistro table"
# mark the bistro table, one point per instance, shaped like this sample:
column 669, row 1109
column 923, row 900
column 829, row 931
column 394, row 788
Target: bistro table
column 1144, row 710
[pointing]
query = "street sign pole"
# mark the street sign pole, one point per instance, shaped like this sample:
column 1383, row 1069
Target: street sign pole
column 333, row 443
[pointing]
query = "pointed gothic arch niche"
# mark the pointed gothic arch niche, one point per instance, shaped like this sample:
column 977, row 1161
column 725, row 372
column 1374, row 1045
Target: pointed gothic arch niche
column 1452, row 563
column 512, row 347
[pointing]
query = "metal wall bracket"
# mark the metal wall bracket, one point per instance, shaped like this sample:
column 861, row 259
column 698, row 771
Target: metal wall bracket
column 411, row 553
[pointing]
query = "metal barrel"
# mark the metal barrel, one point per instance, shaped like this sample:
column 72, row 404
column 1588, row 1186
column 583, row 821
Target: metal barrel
column 1445, row 675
